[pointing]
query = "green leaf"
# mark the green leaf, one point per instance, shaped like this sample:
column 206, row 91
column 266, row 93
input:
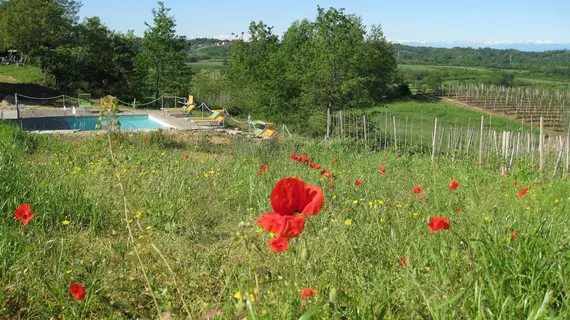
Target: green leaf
column 312, row 311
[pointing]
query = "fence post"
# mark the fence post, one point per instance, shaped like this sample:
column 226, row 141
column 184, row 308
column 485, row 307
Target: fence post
column 541, row 148
column 433, row 141
column 328, row 122
column 17, row 106
column 482, row 141
column 341, row 125
column 365, row 135
column 395, row 135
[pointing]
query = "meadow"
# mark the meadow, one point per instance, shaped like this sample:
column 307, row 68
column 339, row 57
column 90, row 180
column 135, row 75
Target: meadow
column 161, row 224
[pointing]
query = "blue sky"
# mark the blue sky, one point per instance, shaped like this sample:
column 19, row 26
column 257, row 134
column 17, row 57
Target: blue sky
column 426, row 20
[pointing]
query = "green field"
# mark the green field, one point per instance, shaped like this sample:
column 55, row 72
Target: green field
column 212, row 64
column 459, row 74
column 149, row 231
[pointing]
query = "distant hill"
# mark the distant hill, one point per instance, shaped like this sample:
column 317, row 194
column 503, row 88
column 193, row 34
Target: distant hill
column 555, row 63
column 207, row 48
column 532, row 46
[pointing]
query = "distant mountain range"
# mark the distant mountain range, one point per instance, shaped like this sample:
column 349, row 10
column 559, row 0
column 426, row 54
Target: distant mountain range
column 536, row 46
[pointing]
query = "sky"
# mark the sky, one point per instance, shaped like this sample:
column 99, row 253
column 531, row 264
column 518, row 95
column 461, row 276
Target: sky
column 417, row 20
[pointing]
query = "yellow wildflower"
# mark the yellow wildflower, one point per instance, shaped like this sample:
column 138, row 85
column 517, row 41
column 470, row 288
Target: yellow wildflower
column 65, row 222
column 148, row 227
column 348, row 222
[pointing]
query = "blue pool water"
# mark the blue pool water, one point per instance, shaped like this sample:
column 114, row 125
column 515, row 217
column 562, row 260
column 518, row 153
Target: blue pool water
column 127, row 123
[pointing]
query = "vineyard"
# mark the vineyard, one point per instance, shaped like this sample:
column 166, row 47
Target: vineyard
column 526, row 104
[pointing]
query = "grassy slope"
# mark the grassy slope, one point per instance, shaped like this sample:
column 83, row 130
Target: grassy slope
column 201, row 214
column 421, row 118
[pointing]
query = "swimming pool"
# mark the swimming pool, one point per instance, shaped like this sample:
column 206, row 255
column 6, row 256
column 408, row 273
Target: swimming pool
column 130, row 122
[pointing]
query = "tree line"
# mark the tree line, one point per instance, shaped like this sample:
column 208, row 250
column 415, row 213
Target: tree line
column 87, row 57
column 331, row 62
column 553, row 63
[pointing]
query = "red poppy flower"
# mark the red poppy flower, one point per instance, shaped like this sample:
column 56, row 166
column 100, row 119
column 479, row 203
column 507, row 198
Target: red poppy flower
column 538, row 166
column 330, row 186
column 330, row 149
column 294, row 157
column 506, row 173
column 537, row 182
column 23, row 213
column 325, row 171
column 307, row 292
column 516, row 183
column 403, row 261
column 145, row 139
column 421, row 198
column 503, row 186
column 399, row 155
column 417, row 190
column 458, row 209
column 279, row 244
column 262, row 169
column 307, row 159
column 335, row 160
column 523, row 192
column 346, row 209
column 438, row 223
column 232, row 153
column 318, row 167
column 358, row 183
column 291, row 200
column 453, row 185
column 514, row 235
column 303, row 154
column 186, row 156
column 77, row 291
column 382, row 170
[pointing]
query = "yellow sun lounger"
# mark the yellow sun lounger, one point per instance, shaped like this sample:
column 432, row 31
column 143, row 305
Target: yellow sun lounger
column 215, row 118
column 186, row 109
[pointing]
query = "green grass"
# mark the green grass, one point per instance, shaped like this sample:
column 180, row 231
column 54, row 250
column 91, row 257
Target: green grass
column 421, row 119
column 200, row 213
column 21, row 74
column 213, row 64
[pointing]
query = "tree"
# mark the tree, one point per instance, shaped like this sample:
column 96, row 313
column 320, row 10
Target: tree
column 164, row 54
column 98, row 61
column 28, row 25
column 434, row 83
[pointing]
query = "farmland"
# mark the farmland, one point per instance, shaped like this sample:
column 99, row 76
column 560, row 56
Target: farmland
column 149, row 231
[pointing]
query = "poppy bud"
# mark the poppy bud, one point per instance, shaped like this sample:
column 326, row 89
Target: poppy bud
column 333, row 295
column 304, row 255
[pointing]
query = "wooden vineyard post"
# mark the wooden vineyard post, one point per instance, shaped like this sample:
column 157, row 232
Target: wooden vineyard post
column 328, row 123
column 341, row 124
column 365, row 135
column 482, row 140
column 433, row 141
column 395, row 135
column 541, row 147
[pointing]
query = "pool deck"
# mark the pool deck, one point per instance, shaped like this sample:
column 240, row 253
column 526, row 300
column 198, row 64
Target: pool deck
column 175, row 121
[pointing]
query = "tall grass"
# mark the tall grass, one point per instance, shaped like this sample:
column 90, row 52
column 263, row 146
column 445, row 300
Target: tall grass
column 200, row 214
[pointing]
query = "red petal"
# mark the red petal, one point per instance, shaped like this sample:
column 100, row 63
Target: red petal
column 315, row 200
column 292, row 226
column 21, row 211
column 77, row 291
column 271, row 222
column 278, row 244
column 288, row 196
column 437, row 223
